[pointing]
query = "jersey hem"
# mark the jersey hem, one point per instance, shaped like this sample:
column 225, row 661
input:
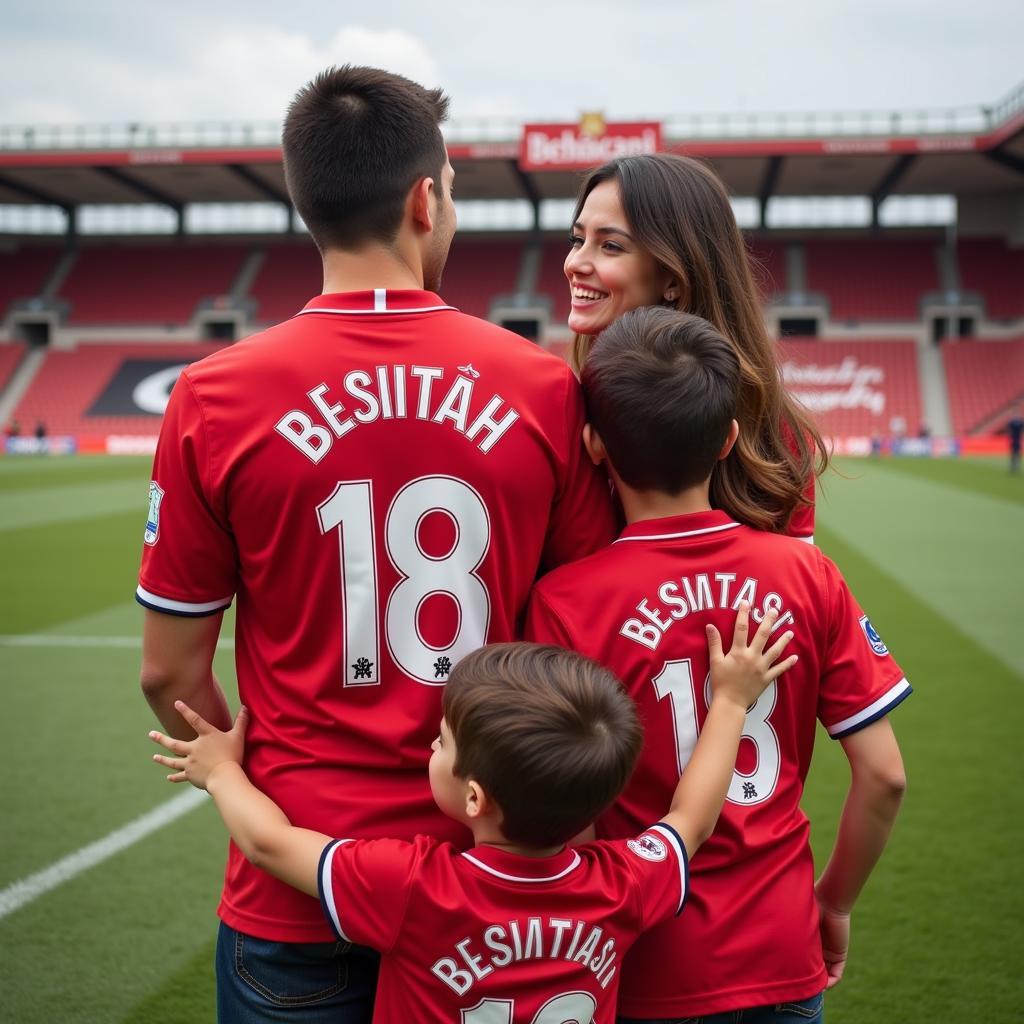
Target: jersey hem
column 736, row 999
column 273, row 930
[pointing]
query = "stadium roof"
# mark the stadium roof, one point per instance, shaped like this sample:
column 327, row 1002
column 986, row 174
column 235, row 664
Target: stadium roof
column 959, row 152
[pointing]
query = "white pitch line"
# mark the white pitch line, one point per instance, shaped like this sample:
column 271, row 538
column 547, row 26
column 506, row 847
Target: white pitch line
column 24, row 891
column 60, row 640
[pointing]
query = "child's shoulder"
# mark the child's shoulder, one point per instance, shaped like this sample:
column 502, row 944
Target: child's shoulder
column 581, row 574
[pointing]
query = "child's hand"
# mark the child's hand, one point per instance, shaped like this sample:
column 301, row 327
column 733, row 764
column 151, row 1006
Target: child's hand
column 745, row 672
column 199, row 757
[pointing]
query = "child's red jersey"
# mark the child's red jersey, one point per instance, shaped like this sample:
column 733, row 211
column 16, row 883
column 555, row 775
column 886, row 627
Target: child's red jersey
column 488, row 937
column 640, row 607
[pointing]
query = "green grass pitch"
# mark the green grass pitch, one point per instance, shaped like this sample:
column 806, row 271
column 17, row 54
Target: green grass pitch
column 932, row 549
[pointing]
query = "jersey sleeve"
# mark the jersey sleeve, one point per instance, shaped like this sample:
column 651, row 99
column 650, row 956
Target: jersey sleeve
column 860, row 680
column 364, row 888
column 660, row 868
column 582, row 516
column 188, row 558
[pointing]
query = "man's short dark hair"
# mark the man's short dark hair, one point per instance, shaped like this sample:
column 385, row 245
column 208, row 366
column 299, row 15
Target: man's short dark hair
column 661, row 389
column 355, row 141
column 549, row 734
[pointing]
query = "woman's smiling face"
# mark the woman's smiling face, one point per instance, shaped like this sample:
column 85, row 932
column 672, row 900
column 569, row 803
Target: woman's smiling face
column 608, row 272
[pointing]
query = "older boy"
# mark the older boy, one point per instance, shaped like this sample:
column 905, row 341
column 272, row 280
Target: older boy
column 535, row 742
column 661, row 389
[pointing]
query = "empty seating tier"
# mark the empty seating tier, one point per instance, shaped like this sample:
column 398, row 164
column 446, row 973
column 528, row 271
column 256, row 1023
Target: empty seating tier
column 989, row 266
column 288, row 277
column 93, row 389
column 143, row 285
column 982, row 378
column 871, row 279
column 23, row 273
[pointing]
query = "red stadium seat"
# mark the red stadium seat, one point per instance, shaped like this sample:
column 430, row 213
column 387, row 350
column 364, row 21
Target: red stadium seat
column 854, row 388
column 989, row 266
column 872, row 279
column 148, row 284
column 982, row 378
column 10, row 355
column 23, row 273
column 289, row 276
column 69, row 382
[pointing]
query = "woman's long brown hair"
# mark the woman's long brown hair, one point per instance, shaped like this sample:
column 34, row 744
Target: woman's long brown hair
column 678, row 210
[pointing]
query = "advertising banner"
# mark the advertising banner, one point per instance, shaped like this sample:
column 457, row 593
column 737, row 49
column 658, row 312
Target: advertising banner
column 577, row 147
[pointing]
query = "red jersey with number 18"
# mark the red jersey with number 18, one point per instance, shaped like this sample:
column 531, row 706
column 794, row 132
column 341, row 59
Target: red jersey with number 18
column 489, row 937
column 750, row 933
column 377, row 481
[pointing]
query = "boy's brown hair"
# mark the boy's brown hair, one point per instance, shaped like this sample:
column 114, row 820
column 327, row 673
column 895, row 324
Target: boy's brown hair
column 661, row 389
column 549, row 734
column 355, row 141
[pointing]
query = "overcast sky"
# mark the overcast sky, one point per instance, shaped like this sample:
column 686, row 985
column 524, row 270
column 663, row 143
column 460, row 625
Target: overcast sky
column 76, row 62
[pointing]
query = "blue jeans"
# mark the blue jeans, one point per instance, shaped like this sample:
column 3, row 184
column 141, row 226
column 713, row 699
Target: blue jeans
column 259, row 981
column 806, row 1011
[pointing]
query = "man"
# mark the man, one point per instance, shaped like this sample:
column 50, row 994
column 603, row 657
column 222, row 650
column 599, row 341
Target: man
column 377, row 482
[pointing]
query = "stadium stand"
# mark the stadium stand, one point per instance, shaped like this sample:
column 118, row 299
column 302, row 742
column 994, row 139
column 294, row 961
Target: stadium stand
column 478, row 270
column 69, row 382
column 147, row 284
column 769, row 266
column 989, row 266
column 872, row 279
column 551, row 279
column 855, row 388
column 23, row 273
column 289, row 276
column 982, row 378
column 10, row 356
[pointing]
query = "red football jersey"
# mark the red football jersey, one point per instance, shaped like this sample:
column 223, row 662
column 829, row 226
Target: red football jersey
column 377, row 481
column 488, row 937
column 640, row 607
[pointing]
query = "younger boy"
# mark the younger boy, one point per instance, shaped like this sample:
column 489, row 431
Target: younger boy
column 535, row 742
column 662, row 390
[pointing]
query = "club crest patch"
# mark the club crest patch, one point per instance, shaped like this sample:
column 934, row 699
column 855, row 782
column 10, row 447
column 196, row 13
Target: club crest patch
column 156, row 496
column 649, row 847
column 875, row 642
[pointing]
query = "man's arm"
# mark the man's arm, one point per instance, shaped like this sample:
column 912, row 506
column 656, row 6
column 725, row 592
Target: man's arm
column 177, row 664
column 737, row 680
column 260, row 829
column 877, row 785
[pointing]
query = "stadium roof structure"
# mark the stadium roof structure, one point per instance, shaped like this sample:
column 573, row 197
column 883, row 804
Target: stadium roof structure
column 969, row 150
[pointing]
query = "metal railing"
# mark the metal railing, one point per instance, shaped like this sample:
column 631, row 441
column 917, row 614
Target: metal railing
column 727, row 125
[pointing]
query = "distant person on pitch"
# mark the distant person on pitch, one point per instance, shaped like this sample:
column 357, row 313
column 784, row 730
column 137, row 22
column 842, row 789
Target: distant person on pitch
column 1014, row 430
column 534, row 743
column 764, row 941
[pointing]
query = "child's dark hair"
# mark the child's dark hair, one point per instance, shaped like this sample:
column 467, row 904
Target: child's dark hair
column 355, row 141
column 661, row 390
column 549, row 734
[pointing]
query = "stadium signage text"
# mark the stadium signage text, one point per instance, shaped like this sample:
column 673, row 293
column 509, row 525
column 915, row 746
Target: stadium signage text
column 593, row 141
column 846, row 385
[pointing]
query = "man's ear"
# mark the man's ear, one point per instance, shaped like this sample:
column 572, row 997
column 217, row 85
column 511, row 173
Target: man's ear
column 734, row 433
column 594, row 445
column 421, row 204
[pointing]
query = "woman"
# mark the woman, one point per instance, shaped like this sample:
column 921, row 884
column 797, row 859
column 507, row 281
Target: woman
column 659, row 229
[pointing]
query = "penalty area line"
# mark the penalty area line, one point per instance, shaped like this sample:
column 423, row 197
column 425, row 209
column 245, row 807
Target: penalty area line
column 60, row 640
column 27, row 889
